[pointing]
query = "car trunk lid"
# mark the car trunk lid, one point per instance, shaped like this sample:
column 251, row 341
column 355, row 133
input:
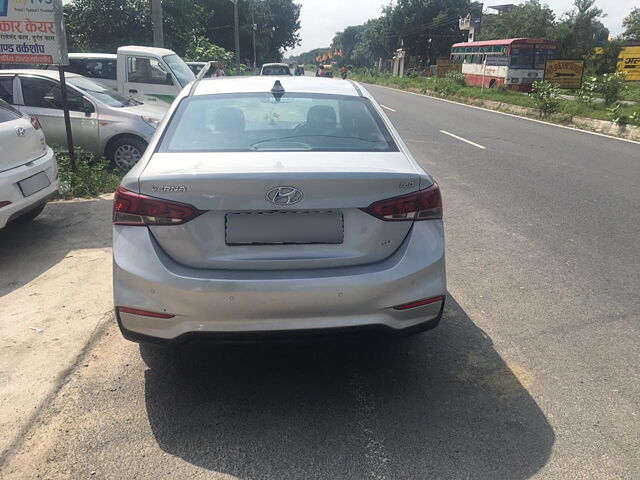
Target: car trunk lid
column 280, row 210
column 21, row 143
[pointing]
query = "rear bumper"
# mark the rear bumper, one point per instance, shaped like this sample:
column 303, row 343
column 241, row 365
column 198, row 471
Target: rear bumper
column 228, row 304
column 10, row 191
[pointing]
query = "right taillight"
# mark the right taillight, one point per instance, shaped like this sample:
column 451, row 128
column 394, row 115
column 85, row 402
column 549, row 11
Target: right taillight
column 130, row 208
column 422, row 205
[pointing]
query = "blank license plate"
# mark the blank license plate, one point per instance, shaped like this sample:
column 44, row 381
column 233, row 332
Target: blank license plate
column 34, row 184
column 279, row 228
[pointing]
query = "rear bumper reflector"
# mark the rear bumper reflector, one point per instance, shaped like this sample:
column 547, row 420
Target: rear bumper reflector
column 143, row 313
column 419, row 303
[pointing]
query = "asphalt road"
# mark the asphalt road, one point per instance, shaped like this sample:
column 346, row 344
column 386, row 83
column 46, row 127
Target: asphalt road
column 534, row 371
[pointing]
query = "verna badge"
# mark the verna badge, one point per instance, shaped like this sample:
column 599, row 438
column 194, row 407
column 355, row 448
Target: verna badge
column 284, row 195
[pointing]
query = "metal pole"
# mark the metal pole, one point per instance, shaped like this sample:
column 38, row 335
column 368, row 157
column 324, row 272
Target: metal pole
column 255, row 27
column 156, row 15
column 67, row 118
column 237, row 29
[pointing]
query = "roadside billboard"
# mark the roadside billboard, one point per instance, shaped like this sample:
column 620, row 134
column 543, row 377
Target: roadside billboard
column 629, row 62
column 565, row 73
column 32, row 32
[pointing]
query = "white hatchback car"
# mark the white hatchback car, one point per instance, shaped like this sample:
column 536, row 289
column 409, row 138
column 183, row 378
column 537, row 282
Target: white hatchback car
column 269, row 205
column 28, row 168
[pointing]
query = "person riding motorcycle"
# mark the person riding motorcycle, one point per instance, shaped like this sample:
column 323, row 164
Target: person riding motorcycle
column 344, row 72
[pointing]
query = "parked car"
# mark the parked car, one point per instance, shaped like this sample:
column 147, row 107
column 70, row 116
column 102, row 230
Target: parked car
column 147, row 74
column 275, row 69
column 267, row 206
column 28, row 168
column 103, row 121
column 196, row 67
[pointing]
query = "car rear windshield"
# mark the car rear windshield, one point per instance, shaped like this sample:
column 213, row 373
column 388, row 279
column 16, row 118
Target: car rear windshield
column 276, row 70
column 262, row 122
column 7, row 112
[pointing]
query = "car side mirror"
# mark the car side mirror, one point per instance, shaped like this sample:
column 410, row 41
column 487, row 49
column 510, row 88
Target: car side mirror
column 87, row 107
column 169, row 79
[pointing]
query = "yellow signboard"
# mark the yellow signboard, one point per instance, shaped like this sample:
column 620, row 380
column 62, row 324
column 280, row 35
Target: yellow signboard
column 564, row 73
column 629, row 62
column 445, row 68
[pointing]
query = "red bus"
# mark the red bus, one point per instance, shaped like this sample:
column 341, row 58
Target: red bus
column 514, row 62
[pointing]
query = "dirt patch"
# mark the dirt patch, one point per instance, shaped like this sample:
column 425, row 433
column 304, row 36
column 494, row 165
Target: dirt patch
column 55, row 293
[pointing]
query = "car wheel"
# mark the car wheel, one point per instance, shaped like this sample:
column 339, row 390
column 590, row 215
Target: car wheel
column 125, row 152
column 30, row 215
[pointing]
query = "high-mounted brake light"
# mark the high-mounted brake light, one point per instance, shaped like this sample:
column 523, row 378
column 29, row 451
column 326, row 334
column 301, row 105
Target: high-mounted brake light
column 35, row 123
column 130, row 208
column 422, row 205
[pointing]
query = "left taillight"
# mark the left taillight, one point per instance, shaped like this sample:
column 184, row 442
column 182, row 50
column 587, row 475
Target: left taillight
column 130, row 208
column 422, row 205
column 35, row 123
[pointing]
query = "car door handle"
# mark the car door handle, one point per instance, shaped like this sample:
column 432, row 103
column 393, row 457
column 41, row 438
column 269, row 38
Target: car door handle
column 133, row 91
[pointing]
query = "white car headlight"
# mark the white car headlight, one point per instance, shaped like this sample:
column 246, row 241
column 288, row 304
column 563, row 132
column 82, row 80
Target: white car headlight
column 154, row 122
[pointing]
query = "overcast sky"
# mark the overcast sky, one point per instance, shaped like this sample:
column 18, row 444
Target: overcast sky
column 321, row 19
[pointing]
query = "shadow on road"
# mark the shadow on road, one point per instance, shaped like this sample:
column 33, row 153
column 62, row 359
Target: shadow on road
column 28, row 250
column 440, row 405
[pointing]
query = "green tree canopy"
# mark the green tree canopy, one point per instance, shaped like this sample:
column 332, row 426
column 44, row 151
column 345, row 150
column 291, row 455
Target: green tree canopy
column 531, row 19
column 580, row 30
column 631, row 25
column 105, row 25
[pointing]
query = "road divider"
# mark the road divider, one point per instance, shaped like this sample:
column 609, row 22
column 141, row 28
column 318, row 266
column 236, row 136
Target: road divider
column 477, row 145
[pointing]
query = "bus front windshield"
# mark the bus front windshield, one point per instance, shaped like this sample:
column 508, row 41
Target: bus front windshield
column 180, row 69
column 526, row 56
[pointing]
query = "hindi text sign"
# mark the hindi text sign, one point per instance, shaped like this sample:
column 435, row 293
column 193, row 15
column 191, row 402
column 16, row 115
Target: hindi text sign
column 32, row 32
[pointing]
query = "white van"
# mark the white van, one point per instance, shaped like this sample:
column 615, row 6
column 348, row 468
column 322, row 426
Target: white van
column 148, row 74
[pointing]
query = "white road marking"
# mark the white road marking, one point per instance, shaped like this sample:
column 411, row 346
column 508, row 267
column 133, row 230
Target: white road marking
column 575, row 129
column 387, row 108
column 463, row 139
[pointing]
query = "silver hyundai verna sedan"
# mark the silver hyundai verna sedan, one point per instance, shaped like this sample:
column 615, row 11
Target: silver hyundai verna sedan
column 276, row 205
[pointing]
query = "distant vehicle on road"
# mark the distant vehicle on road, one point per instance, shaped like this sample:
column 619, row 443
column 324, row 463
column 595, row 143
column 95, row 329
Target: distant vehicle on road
column 211, row 69
column 275, row 69
column 276, row 205
column 514, row 62
column 103, row 121
column 28, row 168
column 196, row 67
column 147, row 74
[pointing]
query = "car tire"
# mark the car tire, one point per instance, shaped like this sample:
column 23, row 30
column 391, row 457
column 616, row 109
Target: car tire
column 125, row 152
column 30, row 215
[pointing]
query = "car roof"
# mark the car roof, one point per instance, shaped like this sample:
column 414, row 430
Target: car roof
column 137, row 49
column 53, row 74
column 275, row 65
column 110, row 56
column 210, row 86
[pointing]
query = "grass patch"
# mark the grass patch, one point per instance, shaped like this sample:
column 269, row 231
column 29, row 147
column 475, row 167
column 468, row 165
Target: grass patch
column 92, row 177
column 475, row 95
column 632, row 92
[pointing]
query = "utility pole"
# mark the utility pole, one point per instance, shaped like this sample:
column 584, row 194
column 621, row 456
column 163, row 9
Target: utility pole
column 237, row 34
column 156, row 15
column 255, row 27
